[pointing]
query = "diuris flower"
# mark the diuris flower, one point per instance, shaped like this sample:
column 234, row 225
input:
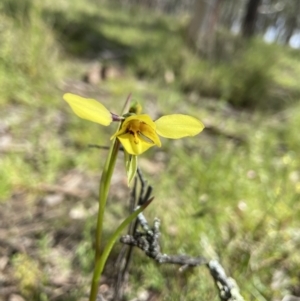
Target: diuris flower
column 138, row 132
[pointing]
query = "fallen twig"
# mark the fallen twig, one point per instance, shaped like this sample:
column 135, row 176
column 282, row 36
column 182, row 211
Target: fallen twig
column 148, row 241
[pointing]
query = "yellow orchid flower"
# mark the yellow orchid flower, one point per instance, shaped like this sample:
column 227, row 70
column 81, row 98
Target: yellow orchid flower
column 138, row 132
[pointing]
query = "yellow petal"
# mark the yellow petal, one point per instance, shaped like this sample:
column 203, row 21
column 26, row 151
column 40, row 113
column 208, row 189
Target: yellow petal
column 88, row 108
column 131, row 147
column 143, row 125
column 177, row 126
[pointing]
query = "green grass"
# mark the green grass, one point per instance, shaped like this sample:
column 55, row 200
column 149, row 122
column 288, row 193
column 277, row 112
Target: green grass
column 231, row 193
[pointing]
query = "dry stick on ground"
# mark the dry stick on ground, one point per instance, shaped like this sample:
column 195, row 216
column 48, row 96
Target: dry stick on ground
column 148, row 241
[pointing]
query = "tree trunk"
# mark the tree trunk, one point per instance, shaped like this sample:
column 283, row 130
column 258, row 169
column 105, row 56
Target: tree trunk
column 250, row 17
column 291, row 21
column 202, row 29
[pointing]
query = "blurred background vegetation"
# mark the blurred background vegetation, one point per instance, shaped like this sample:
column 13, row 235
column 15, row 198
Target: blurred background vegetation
column 231, row 193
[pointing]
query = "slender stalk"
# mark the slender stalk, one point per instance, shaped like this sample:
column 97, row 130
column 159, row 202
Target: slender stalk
column 103, row 193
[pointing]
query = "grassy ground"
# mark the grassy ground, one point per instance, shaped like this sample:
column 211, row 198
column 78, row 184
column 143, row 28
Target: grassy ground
column 231, row 193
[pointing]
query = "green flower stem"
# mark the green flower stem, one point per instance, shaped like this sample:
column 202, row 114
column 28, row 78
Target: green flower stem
column 103, row 193
column 101, row 263
column 103, row 190
column 105, row 184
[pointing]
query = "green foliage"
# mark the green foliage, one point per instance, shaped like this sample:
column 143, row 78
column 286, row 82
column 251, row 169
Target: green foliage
column 253, row 75
column 84, row 254
column 232, row 193
column 20, row 11
column 250, row 79
column 28, row 51
column 28, row 275
column 204, row 77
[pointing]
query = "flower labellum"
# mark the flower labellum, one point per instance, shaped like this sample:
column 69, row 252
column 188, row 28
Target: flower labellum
column 137, row 134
